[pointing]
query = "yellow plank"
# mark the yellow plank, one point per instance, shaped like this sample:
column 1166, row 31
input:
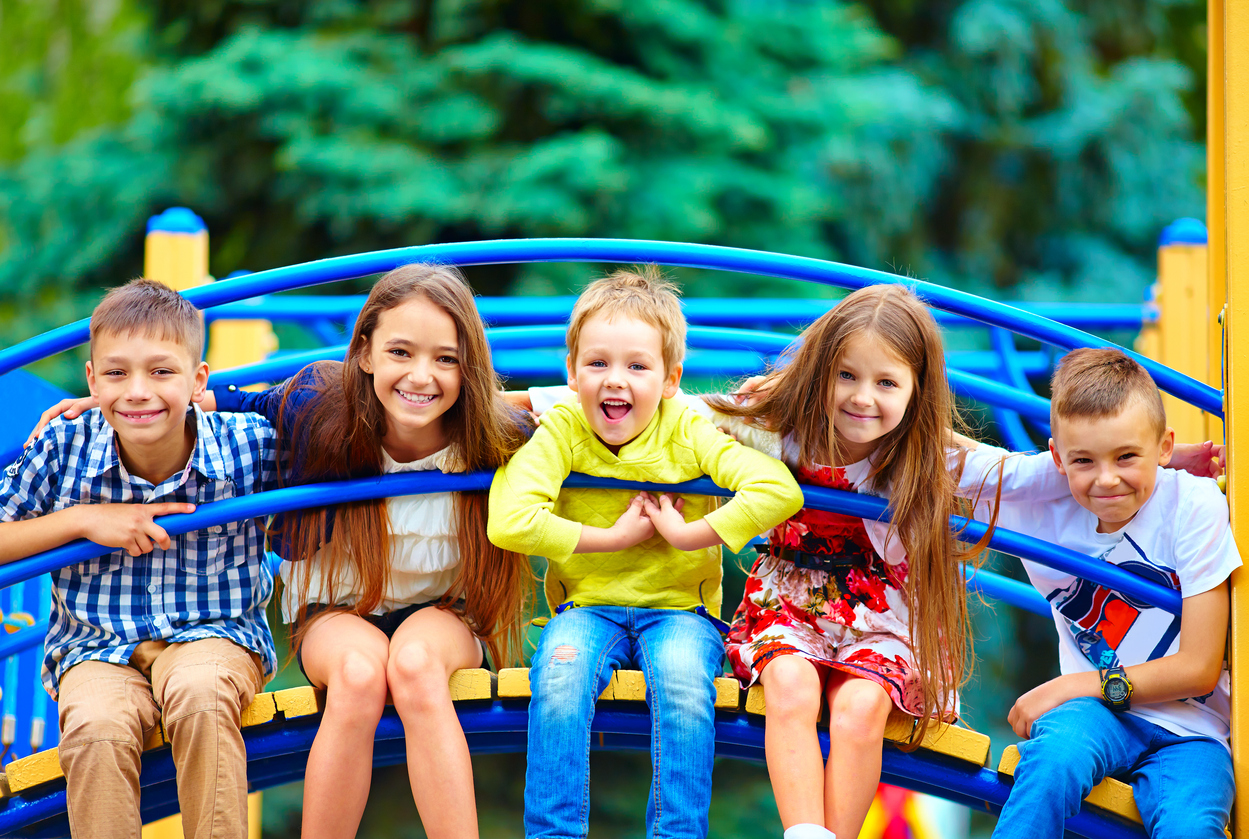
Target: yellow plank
column 262, row 710
column 728, row 694
column 1110, row 795
column 299, row 702
column 514, row 683
column 471, row 684
column 754, row 700
column 28, row 772
column 629, row 686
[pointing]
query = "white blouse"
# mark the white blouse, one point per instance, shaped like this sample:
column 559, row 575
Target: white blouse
column 424, row 555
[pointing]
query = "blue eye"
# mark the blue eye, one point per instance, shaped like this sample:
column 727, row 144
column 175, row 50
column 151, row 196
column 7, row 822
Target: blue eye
column 598, row 363
column 636, row 366
column 888, row 383
column 845, row 376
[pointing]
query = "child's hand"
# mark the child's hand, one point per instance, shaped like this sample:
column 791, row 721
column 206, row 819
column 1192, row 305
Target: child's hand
column 1029, row 707
column 633, row 526
column 71, row 408
column 750, row 391
column 127, row 526
column 1205, row 460
column 665, row 513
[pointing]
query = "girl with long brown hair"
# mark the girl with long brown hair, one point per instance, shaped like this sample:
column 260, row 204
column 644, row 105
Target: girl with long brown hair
column 392, row 596
column 870, row 616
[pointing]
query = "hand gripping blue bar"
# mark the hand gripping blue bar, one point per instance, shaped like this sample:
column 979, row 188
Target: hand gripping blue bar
column 384, row 486
column 509, row 251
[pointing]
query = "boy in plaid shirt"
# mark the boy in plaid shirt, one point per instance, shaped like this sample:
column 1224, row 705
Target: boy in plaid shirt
column 164, row 626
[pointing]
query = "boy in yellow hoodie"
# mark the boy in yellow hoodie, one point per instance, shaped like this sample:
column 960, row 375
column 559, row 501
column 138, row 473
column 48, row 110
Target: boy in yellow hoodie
column 644, row 581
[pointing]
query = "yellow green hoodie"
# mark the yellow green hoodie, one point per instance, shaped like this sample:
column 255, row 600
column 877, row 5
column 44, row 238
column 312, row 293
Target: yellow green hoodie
column 529, row 512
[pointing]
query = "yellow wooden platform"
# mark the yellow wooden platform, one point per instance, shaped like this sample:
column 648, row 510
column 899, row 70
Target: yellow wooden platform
column 626, row 686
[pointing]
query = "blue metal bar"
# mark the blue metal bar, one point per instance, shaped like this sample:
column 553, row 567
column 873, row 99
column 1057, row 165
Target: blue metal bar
column 705, row 311
column 385, row 486
column 624, row 250
column 1012, row 592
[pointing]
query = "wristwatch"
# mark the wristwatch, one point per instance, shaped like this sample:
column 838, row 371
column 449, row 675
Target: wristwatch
column 1116, row 688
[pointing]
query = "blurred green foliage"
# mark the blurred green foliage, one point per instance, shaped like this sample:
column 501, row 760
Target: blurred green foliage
column 1014, row 148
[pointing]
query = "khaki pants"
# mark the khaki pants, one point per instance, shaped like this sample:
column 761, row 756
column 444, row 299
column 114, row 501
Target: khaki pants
column 107, row 709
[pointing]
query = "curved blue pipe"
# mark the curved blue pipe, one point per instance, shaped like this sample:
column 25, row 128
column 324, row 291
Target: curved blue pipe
column 385, row 486
column 703, row 311
column 626, row 250
column 961, row 382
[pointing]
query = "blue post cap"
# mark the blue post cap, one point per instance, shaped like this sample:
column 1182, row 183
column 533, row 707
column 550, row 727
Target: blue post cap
column 179, row 220
column 1184, row 231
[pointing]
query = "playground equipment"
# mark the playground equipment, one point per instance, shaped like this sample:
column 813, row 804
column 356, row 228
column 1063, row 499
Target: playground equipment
column 1210, row 317
column 952, row 762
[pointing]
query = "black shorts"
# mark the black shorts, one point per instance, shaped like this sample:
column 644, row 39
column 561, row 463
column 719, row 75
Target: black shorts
column 387, row 622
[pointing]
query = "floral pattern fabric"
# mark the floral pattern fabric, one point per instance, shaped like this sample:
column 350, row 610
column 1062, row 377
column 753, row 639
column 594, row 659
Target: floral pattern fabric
column 852, row 619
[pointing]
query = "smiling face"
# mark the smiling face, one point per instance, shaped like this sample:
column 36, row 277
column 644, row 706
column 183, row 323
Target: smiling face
column 413, row 356
column 873, row 387
column 618, row 374
column 144, row 385
column 1111, row 463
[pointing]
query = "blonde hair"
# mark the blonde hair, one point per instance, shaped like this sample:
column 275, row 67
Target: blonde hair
column 147, row 307
column 910, row 462
column 1100, row 383
column 642, row 294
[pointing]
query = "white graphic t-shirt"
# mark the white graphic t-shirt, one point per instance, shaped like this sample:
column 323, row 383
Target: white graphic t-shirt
column 1180, row 539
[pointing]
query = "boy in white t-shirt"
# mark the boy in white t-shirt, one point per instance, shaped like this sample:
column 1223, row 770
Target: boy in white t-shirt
column 1143, row 693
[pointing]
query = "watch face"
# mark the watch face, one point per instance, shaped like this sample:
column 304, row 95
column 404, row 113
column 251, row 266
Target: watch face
column 1116, row 690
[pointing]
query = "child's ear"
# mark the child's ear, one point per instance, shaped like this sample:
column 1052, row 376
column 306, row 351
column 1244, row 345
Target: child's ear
column 366, row 366
column 1058, row 461
column 91, row 380
column 1166, row 446
column 673, row 382
column 201, row 382
column 572, row 379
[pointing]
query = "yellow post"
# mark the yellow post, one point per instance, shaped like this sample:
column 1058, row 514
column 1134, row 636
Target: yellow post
column 1215, row 216
column 1235, row 236
column 176, row 254
column 176, row 249
column 1184, row 315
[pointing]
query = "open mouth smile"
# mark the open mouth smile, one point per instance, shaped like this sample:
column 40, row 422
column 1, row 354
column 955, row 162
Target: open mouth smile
column 415, row 398
column 615, row 410
column 139, row 416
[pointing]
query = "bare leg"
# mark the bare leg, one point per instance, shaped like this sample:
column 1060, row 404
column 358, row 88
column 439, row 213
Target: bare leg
column 792, row 688
column 425, row 651
column 346, row 655
column 858, row 711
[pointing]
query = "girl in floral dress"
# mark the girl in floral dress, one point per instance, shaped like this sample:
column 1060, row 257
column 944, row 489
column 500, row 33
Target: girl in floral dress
column 862, row 405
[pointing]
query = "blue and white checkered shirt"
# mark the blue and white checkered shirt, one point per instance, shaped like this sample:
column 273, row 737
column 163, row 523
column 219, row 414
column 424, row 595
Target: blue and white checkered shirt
column 211, row 583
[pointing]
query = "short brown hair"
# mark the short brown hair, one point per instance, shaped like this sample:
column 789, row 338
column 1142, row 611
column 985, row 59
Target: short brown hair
column 1100, row 383
column 643, row 294
column 146, row 307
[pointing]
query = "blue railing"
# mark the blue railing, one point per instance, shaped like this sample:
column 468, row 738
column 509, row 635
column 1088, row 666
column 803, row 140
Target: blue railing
column 820, row 498
column 625, row 250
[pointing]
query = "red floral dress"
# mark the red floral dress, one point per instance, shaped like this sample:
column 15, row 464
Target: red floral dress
column 852, row 619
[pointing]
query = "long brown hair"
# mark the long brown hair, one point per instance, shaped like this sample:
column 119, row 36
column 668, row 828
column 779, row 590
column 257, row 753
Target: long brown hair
column 910, row 463
column 339, row 435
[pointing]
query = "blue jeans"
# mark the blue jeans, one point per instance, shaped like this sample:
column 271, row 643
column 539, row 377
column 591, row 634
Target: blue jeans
column 1183, row 785
column 681, row 655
